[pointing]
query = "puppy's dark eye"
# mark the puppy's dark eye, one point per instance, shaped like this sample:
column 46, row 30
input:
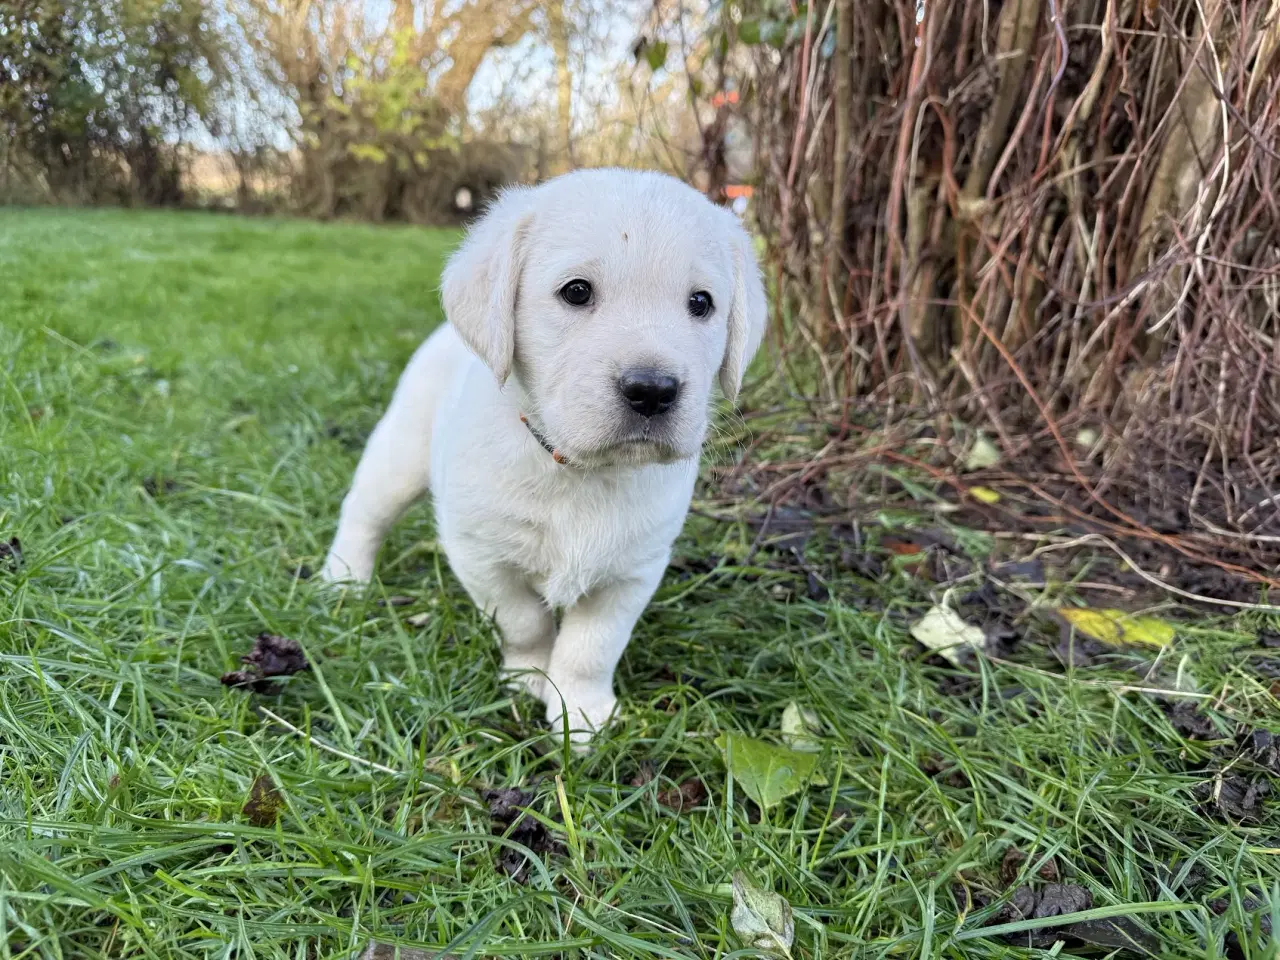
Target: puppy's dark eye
column 700, row 303
column 576, row 293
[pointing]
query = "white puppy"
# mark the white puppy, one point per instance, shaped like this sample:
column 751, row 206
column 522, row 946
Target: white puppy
column 558, row 417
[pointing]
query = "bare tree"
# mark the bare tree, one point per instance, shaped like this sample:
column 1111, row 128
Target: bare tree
column 381, row 105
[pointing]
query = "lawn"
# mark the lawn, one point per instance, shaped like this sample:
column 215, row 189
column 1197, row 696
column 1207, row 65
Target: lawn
column 182, row 400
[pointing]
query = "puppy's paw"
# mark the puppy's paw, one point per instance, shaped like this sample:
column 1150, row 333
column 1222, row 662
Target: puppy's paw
column 529, row 677
column 337, row 572
column 586, row 712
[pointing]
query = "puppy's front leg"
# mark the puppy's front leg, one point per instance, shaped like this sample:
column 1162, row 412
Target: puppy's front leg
column 392, row 474
column 593, row 634
column 527, row 625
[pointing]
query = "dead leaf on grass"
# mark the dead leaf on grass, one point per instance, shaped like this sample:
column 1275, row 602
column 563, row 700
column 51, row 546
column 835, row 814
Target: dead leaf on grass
column 799, row 727
column 1262, row 747
column 1117, row 628
column 264, row 803
column 1115, row 933
column 1059, row 899
column 914, row 557
column 687, row 796
column 762, row 919
column 1062, row 899
column 943, row 631
column 1233, row 798
column 1187, row 718
column 1013, row 860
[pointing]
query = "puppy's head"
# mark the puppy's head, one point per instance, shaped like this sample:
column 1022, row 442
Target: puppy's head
column 613, row 299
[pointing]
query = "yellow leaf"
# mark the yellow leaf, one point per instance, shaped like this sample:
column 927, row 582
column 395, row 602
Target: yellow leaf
column 1117, row 627
column 984, row 494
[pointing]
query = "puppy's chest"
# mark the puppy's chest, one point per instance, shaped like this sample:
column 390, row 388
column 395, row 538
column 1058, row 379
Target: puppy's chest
column 572, row 542
column 568, row 552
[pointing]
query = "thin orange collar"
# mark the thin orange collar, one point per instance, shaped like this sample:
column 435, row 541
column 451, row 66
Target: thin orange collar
column 546, row 444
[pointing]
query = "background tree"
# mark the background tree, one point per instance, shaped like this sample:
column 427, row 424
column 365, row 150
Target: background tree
column 91, row 94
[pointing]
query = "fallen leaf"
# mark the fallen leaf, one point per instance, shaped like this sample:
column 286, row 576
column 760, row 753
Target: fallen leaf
column 1020, row 907
column 1059, row 899
column 945, row 632
column 761, row 918
column 397, row 602
column 1262, row 747
column 768, row 774
column 1233, row 798
column 902, row 548
column 271, row 656
column 982, row 454
column 1115, row 933
column 1193, row 724
column 984, row 495
column 799, row 725
column 1013, row 860
column 263, row 806
column 1117, row 627
column 688, row 795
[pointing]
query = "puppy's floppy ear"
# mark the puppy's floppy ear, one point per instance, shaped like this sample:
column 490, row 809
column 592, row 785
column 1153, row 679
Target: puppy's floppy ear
column 747, row 314
column 482, row 280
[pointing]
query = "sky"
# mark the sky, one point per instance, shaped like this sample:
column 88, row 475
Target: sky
column 525, row 74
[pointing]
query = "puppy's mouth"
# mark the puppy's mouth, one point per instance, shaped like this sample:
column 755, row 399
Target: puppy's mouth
column 640, row 450
column 633, row 450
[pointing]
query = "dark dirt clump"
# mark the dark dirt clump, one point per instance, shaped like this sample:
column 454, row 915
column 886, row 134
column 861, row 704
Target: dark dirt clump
column 271, row 656
column 508, row 811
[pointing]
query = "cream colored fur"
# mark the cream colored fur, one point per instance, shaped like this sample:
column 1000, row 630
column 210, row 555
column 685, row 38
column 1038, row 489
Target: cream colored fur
column 525, row 535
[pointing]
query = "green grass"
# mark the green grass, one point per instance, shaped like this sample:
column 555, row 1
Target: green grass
column 181, row 403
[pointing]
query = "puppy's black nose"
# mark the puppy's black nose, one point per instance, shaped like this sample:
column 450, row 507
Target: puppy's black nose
column 647, row 391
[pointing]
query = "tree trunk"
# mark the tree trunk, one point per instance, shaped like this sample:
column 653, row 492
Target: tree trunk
column 562, row 158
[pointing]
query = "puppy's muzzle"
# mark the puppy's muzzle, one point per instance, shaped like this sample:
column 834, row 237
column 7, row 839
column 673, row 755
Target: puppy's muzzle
column 647, row 391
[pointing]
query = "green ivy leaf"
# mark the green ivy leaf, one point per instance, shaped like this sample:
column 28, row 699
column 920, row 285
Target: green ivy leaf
column 767, row 773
